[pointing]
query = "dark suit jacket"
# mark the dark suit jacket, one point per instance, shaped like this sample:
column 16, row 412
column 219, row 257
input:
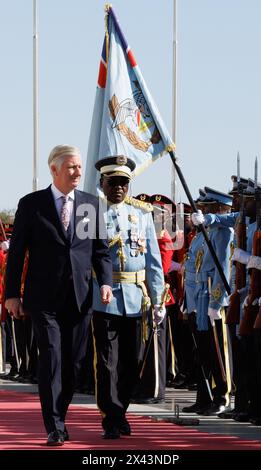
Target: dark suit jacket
column 54, row 260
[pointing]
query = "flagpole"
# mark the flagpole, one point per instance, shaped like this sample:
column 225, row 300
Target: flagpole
column 35, row 97
column 176, row 169
column 174, row 97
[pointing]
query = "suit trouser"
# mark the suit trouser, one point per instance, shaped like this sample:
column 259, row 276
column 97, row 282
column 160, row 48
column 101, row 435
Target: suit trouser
column 61, row 339
column 116, row 354
column 207, row 357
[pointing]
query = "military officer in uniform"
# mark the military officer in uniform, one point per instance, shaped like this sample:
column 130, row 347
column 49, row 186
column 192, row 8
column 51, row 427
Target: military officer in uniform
column 136, row 259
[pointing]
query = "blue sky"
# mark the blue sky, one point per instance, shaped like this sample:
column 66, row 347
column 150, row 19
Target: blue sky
column 219, row 99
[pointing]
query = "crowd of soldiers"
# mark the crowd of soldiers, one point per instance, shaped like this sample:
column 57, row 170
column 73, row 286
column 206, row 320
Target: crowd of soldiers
column 210, row 339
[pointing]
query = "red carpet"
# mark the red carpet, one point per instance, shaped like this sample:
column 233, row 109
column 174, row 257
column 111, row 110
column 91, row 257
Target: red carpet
column 21, row 428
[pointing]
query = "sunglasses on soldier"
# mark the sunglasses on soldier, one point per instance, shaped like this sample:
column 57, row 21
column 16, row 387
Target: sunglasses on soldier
column 117, row 181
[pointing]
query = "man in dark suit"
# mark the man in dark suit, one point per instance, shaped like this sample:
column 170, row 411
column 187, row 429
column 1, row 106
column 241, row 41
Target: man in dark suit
column 59, row 226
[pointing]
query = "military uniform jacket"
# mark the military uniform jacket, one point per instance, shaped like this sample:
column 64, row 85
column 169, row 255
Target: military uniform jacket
column 209, row 283
column 133, row 248
column 190, row 271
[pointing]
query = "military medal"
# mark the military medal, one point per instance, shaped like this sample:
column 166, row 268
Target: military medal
column 133, row 219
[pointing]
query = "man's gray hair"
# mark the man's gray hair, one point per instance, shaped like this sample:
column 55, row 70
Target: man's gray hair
column 59, row 152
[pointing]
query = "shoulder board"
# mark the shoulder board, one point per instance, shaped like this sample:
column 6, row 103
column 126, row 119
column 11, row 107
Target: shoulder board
column 146, row 206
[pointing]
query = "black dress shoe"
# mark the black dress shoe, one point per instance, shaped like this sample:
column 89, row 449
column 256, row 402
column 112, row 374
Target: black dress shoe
column 55, row 438
column 192, row 386
column 242, row 417
column 33, row 379
column 111, row 432
column 228, row 414
column 66, row 436
column 255, row 420
column 179, row 380
column 181, row 385
column 196, row 408
column 148, row 401
column 124, row 428
column 214, row 409
column 12, row 373
column 24, row 379
column 169, row 383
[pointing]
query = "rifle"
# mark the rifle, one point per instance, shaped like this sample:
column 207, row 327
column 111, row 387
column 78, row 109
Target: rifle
column 233, row 312
column 257, row 324
column 251, row 309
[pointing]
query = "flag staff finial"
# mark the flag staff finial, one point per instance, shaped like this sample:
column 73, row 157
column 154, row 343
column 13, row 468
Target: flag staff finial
column 107, row 7
column 238, row 167
column 256, row 173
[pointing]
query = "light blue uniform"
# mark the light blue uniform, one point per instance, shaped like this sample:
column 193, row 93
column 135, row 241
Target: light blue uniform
column 131, row 223
column 216, row 298
column 190, row 272
column 225, row 220
column 229, row 220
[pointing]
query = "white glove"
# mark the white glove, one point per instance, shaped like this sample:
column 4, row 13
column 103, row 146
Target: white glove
column 214, row 315
column 159, row 314
column 241, row 256
column 255, row 302
column 197, row 218
column 5, row 245
column 254, row 262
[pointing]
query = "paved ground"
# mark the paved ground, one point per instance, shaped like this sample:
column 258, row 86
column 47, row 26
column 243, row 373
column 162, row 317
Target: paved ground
column 174, row 399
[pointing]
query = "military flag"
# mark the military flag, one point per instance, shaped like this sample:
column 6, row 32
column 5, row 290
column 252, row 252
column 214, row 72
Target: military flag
column 125, row 119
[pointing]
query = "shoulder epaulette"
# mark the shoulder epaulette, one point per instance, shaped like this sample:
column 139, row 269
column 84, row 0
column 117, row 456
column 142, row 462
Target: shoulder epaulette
column 146, row 206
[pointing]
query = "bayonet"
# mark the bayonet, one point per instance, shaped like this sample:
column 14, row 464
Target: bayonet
column 238, row 168
column 256, row 170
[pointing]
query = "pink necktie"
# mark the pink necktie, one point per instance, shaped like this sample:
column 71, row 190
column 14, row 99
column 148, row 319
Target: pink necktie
column 65, row 212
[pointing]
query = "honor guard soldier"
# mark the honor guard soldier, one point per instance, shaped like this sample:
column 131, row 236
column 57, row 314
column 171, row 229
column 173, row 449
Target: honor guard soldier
column 210, row 298
column 243, row 200
column 183, row 374
column 137, row 267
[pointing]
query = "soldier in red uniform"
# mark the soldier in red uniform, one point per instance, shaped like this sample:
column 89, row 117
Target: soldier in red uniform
column 180, row 348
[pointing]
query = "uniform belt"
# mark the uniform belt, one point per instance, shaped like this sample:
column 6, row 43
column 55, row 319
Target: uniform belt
column 135, row 277
column 127, row 277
